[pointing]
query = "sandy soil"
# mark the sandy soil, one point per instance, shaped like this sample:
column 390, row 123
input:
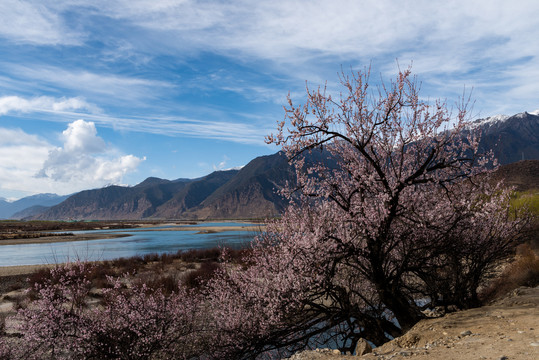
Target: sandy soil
column 21, row 269
column 63, row 238
column 506, row 330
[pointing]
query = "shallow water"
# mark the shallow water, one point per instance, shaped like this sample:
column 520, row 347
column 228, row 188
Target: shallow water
column 140, row 242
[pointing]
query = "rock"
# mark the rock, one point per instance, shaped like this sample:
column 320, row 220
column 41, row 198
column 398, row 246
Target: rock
column 336, row 352
column 363, row 347
column 466, row 333
column 534, row 344
column 503, row 358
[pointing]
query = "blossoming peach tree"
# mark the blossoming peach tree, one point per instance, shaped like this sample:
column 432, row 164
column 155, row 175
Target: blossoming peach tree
column 393, row 212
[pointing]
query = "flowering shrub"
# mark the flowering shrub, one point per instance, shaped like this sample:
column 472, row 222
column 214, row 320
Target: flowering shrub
column 132, row 322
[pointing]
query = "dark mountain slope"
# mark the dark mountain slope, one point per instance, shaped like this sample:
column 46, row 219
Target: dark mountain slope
column 523, row 175
column 154, row 197
column 194, row 193
column 29, row 212
column 114, row 202
column 252, row 193
column 512, row 138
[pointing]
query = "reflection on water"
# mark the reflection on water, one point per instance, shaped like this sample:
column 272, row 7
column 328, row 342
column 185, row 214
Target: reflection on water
column 140, row 242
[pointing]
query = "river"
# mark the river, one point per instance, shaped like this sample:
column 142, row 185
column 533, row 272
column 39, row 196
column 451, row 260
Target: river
column 139, row 241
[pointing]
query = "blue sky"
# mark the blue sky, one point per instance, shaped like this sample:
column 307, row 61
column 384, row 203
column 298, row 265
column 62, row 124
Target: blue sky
column 105, row 92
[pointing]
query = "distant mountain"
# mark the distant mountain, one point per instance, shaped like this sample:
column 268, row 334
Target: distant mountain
column 252, row 191
column 5, row 211
column 29, row 212
column 512, row 138
column 132, row 203
column 8, row 209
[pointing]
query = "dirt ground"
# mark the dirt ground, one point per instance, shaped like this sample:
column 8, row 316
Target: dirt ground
column 508, row 329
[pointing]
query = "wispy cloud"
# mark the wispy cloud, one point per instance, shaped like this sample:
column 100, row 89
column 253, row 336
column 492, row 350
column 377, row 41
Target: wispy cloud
column 186, row 127
column 303, row 40
column 100, row 84
column 43, row 103
column 308, row 40
column 282, row 30
column 34, row 22
column 221, row 164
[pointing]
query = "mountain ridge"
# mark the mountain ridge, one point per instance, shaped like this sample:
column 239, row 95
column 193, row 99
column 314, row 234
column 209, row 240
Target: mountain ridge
column 252, row 191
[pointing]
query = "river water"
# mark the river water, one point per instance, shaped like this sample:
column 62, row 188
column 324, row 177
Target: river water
column 139, row 242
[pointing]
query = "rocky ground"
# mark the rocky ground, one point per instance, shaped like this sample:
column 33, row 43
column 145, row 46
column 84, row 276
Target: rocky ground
column 508, row 329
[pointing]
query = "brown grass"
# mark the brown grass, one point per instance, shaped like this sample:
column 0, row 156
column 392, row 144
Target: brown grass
column 524, row 271
column 158, row 271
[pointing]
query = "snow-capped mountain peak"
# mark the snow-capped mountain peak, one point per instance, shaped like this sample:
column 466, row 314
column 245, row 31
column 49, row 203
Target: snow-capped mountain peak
column 489, row 120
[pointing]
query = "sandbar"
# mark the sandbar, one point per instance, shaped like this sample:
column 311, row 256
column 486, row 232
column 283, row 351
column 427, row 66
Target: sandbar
column 213, row 229
column 62, row 238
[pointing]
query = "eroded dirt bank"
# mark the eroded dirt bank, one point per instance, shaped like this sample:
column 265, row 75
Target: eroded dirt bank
column 508, row 329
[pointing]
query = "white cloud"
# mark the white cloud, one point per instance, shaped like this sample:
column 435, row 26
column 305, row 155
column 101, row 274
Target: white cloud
column 20, row 151
column 83, row 81
column 307, row 39
column 222, row 164
column 32, row 165
column 235, row 131
column 282, row 30
column 81, row 136
column 34, row 23
column 302, row 39
column 43, row 103
column 69, row 109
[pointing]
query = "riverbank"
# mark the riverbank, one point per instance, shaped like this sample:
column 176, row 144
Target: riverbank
column 61, row 238
column 21, row 269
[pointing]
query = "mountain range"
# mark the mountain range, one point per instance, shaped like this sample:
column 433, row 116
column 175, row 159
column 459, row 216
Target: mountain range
column 29, row 205
column 250, row 192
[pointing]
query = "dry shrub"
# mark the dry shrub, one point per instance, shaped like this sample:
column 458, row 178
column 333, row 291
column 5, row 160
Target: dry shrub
column 129, row 265
column 196, row 278
column 524, row 271
column 168, row 284
column 213, row 254
column 38, row 276
column 167, row 259
column 152, row 257
column 2, row 324
column 99, row 274
column 193, row 255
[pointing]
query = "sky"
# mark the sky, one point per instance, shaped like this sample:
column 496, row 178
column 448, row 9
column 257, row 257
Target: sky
column 101, row 92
